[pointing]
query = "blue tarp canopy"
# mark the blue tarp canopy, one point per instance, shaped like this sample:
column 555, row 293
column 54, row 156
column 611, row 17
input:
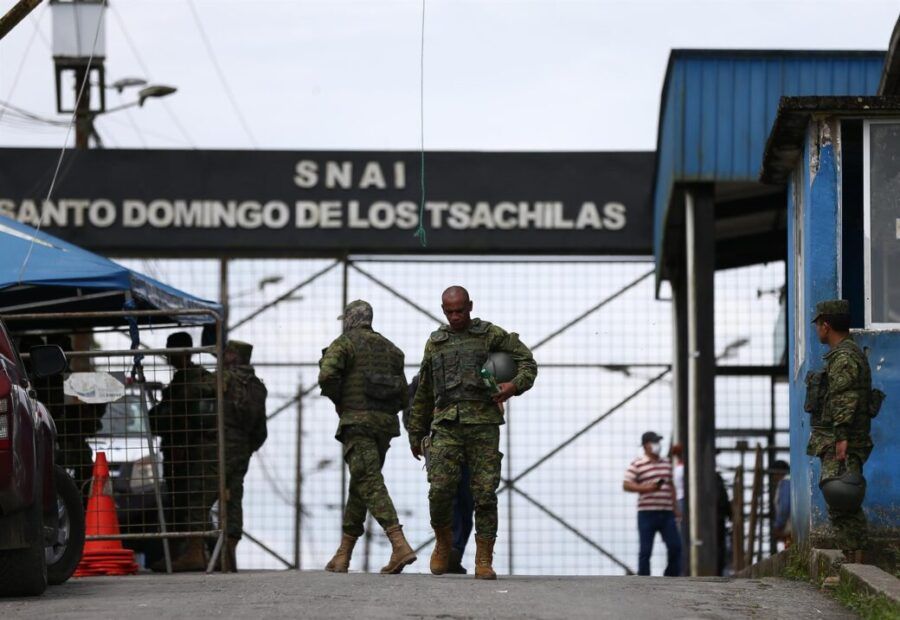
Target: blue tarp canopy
column 42, row 273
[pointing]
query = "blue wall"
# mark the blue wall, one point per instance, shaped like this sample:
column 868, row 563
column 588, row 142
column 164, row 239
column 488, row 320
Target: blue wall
column 718, row 107
column 821, row 232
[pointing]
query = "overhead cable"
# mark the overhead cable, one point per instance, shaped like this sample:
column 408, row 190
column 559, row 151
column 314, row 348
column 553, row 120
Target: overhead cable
column 143, row 65
column 62, row 151
column 36, row 22
column 225, row 86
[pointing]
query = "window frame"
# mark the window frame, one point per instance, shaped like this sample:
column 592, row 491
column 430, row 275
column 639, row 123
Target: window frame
column 867, row 222
column 798, row 264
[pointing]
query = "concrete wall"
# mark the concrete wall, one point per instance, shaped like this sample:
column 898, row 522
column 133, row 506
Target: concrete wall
column 819, row 238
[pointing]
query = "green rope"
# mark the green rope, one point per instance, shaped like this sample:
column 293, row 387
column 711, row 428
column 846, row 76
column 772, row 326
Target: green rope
column 420, row 231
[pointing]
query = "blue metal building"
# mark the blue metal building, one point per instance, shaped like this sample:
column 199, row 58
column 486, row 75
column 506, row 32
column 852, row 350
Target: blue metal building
column 839, row 160
column 712, row 212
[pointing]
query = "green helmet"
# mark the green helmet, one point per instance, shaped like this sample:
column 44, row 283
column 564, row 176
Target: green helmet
column 502, row 366
column 844, row 493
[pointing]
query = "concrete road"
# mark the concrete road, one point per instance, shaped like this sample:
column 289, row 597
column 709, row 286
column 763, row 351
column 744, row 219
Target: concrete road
column 322, row 595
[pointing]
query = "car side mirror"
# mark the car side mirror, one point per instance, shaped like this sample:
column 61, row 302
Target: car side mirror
column 47, row 360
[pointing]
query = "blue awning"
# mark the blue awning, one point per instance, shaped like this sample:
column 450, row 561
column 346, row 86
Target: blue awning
column 42, row 273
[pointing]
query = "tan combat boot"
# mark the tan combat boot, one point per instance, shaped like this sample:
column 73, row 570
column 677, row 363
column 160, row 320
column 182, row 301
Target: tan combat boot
column 401, row 555
column 440, row 557
column 484, row 558
column 193, row 557
column 340, row 563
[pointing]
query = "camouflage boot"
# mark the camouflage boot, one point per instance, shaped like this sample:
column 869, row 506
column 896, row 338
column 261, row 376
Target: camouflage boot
column 192, row 559
column 484, row 558
column 401, row 555
column 440, row 557
column 340, row 563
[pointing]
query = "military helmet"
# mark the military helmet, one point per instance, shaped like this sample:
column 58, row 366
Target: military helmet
column 243, row 350
column 844, row 493
column 502, row 366
column 831, row 307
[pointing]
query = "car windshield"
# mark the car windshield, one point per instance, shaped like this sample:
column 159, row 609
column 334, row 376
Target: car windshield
column 123, row 418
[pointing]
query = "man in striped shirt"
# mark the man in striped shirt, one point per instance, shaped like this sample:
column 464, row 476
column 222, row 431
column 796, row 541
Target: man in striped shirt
column 651, row 477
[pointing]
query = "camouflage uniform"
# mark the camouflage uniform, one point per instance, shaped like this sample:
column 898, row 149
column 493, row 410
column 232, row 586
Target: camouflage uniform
column 238, row 446
column 841, row 412
column 455, row 407
column 361, row 372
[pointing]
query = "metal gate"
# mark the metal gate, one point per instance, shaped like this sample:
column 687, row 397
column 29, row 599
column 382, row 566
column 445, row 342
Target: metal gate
column 603, row 346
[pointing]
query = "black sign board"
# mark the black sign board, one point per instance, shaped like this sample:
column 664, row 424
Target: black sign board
column 265, row 203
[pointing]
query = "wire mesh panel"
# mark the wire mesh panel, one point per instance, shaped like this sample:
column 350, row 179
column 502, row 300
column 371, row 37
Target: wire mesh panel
column 155, row 415
column 604, row 350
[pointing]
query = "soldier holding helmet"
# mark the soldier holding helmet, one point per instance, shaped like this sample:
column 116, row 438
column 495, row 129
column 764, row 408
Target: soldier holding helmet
column 462, row 417
column 842, row 403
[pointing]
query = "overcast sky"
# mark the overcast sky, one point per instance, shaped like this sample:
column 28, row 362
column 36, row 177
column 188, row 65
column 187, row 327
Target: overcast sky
column 499, row 74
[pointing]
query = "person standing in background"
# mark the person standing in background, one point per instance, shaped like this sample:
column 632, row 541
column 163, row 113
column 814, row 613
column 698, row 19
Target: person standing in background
column 781, row 482
column 650, row 475
column 676, row 453
column 463, row 502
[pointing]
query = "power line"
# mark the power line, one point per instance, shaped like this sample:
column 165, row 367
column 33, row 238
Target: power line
column 62, row 151
column 12, row 89
column 225, row 86
column 22, row 113
column 133, row 123
column 148, row 132
column 143, row 65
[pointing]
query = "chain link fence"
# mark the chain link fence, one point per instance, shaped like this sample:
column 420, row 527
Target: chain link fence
column 156, row 415
column 604, row 348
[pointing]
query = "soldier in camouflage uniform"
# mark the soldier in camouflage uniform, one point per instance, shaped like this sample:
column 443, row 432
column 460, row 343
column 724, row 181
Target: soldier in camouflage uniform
column 838, row 399
column 362, row 373
column 455, row 408
column 172, row 420
column 245, row 418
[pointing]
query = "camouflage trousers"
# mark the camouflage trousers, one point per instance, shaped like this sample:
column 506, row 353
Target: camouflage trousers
column 364, row 453
column 203, row 485
column 453, row 444
column 851, row 531
column 237, row 461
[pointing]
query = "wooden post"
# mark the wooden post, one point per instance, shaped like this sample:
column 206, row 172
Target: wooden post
column 737, row 521
column 755, row 497
column 16, row 14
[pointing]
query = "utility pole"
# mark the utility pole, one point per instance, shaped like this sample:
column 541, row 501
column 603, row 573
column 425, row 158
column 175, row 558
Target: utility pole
column 16, row 14
column 84, row 121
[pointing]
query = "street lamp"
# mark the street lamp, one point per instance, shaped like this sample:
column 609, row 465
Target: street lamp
column 150, row 92
column 155, row 91
column 123, row 83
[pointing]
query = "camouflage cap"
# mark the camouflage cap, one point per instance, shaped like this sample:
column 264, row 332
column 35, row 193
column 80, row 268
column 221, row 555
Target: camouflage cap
column 832, row 307
column 243, row 349
column 357, row 312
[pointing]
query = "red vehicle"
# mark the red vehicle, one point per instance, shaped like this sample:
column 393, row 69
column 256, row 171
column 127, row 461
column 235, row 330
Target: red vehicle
column 41, row 510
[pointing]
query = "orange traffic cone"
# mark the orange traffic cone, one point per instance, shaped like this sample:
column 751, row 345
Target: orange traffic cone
column 103, row 557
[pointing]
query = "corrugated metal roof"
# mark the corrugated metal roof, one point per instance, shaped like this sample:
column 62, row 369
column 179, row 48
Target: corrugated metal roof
column 718, row 107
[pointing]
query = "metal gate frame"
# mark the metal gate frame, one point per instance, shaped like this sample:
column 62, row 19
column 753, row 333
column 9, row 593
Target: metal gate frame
column 217, row 351
column 509, row 483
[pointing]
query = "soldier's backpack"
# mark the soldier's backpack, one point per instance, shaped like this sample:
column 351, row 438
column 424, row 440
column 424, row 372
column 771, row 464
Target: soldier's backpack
column 875, row 401
column 252, row 406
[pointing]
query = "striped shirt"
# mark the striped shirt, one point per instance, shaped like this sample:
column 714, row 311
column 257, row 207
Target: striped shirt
column 643, row 470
